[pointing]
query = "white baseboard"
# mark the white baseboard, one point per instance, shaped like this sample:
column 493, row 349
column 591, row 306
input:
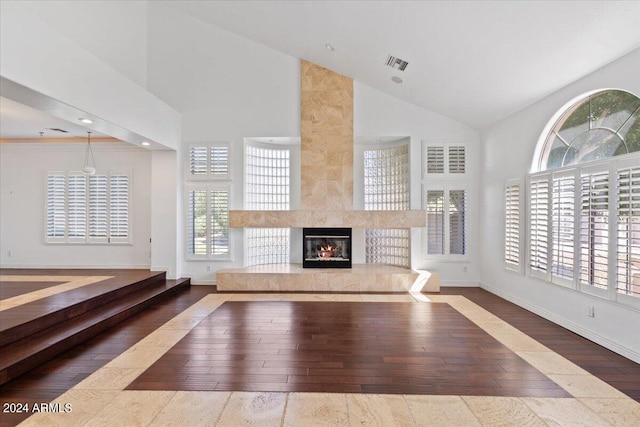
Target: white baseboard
column 586, row 333
column 459, row 284
column 203, row 282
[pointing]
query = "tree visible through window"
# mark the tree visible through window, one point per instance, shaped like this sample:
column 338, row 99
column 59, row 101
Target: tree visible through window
column 589, row 172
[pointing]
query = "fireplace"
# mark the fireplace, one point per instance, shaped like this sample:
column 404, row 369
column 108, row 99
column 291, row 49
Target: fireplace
column 326, row 248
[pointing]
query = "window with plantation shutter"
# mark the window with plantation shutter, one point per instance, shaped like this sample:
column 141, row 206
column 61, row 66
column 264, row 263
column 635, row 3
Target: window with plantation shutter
column 77, row 207
column 207, row 222
column 457, row 159
column 98, row 208
column 585, row 199
column 562, row 228
column 435, row 222
column 208, row 161
column 628, row 227
column 198, row 161
column 512, row 226
column 207, row 202
column 88, row 208
column 56, row 207
column 446, row 231
column 457, row 222
column 435, row 159
column 219, row 221
column 538, row 224
column 445, row 159
column 594, row 229
column 119, row 207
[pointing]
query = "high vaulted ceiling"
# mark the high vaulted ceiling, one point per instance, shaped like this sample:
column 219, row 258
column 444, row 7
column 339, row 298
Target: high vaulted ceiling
column 474, row 61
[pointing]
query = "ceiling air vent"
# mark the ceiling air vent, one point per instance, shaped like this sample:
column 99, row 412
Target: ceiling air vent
column 396, row 63
column 58, row 130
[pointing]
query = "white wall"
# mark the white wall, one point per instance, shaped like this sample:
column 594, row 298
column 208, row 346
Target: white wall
column 377, row 114
column 37, row 55
column 114, row 31
column 23, row 175
column 227, row 88
column 508, row 148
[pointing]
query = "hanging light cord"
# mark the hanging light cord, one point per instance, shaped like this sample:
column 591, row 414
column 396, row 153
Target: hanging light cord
column 89, row 150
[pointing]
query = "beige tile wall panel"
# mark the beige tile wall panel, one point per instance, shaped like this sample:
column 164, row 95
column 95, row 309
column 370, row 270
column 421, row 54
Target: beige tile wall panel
column 323, row 218
column 292, row 277
column 326, row 124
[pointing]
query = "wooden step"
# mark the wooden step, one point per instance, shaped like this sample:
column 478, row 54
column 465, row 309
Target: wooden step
column 73, row 303
column 28, row 352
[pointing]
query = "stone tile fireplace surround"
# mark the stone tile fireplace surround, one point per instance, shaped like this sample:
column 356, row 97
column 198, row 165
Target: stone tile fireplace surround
column 326, row 198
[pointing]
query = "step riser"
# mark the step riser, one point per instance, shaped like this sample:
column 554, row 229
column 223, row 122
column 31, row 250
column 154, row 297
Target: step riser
column 20, row 367
column 26, row 329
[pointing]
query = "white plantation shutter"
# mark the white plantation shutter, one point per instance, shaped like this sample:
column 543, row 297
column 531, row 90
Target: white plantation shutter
column 435, row 222
column 628, row 244
column 512, row 225
column 457, row 222
column 208, row 161
column 563, row 228
column 56, row 207
column 198, row 161
column 219, row 161
column 539, row 224
column 594, row 230
column 77, row 207
column 219, row 222
column 87, row 209
column 435, row 159
column 118, row 208
column 98, row 209
column 457, row 159
column 197, row 223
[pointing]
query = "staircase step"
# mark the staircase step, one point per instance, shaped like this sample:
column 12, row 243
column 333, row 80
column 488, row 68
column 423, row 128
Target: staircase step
column 104, row 293
column 28, row 352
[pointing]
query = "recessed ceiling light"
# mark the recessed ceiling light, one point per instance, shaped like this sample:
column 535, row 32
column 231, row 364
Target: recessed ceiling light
column 87, row 121
column 146, row 143
column 396, row 79
column 329, row 47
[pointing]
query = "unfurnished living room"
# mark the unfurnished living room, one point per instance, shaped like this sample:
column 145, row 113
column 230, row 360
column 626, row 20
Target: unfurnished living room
column 299, row 213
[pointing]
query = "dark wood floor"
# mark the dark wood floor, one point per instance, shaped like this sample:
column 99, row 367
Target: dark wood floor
column 342, row 347
column 52, row 379
column 14, row 289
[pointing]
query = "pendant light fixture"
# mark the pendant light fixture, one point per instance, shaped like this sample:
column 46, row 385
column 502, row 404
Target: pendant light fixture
column 89, row 166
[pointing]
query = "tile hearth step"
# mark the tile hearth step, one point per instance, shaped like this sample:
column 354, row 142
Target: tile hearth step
column 292, row 277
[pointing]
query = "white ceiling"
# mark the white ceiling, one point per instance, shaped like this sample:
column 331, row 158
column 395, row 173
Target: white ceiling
column 474, row 61
column 18, row 121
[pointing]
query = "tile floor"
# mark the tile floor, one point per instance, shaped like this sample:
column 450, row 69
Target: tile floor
column 101, row 398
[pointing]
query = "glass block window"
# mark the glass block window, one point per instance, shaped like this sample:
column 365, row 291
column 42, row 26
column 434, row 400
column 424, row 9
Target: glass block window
column 267, row 246
column 267, row 187
column 386, row 188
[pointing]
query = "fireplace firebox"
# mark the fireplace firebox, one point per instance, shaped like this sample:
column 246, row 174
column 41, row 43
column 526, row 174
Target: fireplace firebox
column 326, row 248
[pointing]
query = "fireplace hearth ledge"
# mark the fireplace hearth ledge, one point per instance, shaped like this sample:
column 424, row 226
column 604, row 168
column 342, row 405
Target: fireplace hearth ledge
column 294, row 278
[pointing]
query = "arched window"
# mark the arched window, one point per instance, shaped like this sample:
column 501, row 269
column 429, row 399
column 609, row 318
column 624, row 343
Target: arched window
column 583, row 203
column 602, row 125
